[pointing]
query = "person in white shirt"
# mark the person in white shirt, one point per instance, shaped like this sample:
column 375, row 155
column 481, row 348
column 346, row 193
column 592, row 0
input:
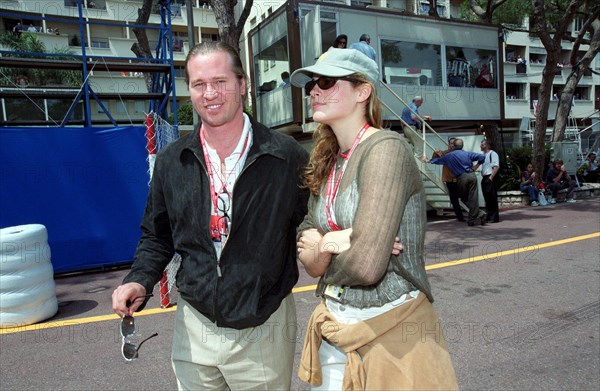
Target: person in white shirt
column 490, row 167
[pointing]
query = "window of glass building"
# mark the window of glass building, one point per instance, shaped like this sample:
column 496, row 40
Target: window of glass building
column 270, row 66
column 411, row 63
column 470, row 67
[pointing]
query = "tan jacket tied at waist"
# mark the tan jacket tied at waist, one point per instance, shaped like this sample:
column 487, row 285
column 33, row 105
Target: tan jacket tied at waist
column 401, row 349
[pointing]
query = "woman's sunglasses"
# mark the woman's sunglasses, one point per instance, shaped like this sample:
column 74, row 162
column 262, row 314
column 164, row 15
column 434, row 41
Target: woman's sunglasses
column 324, row 83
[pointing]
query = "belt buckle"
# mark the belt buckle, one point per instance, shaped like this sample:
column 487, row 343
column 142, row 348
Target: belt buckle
column 334, row 292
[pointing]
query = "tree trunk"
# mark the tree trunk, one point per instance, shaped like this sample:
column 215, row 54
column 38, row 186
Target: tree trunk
column 141, row 48
column 224, row 14
column 564, row 105
column 552, row 43
column 541, row 118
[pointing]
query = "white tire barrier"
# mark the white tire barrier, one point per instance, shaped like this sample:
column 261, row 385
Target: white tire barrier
column 27, row 288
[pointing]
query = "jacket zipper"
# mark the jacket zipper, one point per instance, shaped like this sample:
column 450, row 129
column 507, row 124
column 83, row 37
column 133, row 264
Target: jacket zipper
column 231, row 222
column 214, row 301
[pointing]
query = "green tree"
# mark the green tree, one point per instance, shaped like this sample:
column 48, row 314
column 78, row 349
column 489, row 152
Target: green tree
column 550, row 22
column 28, row 45
column 579, row 65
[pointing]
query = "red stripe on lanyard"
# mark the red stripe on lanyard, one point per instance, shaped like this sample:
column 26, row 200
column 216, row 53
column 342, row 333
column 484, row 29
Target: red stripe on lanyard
column 333, row 184
column 209, row 167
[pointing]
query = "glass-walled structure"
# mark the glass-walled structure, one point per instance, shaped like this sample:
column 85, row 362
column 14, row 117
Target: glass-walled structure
column 271, row 71
column 452, row 64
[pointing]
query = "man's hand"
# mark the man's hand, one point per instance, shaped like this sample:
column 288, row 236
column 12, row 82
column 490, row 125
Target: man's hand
column 398, row 247
column 130, row 293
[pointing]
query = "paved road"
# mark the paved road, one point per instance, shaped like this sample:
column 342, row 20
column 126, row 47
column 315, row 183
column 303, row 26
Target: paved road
column 519, row 302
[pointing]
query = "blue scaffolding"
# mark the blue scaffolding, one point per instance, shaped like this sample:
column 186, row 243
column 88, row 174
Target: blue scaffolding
column 85, row 180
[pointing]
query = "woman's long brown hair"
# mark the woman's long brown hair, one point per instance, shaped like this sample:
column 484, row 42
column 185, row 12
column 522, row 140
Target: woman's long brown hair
column 326, row 147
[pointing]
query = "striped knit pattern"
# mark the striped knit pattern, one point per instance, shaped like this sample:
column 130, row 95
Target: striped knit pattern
column 381, row 196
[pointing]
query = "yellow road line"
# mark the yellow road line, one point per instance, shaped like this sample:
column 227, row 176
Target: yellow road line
column 92, row 319
column 496, row 255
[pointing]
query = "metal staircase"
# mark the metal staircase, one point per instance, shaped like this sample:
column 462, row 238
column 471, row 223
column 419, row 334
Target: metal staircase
column 424, row 144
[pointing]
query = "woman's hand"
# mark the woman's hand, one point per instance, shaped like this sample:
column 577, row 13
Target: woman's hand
column 308, row 240
column 315, row 262
column 335, row 242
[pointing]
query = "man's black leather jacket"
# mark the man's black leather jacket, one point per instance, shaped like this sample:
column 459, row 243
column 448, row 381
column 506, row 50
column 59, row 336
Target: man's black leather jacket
column 258, row 262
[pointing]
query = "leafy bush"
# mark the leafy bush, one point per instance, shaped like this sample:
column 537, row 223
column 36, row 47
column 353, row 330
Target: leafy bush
column 185, row 114
column 30, row 43
column 517, row 158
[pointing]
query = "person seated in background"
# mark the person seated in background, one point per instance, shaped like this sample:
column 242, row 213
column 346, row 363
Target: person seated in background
column 32, row 29
column 589, row 170
column 527, row 185
column 558, row 179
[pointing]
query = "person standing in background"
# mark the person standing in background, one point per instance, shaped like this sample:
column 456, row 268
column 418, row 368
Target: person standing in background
column 489, row 170
column 460, row 162
column 364, row 46
column 450, row 181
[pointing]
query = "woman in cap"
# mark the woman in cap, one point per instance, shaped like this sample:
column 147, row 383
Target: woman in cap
column 365, row 191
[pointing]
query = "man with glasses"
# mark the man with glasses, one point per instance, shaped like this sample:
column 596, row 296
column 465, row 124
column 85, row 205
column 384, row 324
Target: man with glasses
column 228, row 199
column 364, row 46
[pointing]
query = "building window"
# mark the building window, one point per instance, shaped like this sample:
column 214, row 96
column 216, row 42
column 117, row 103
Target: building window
column 424, row 8
column 270, row 64
column 470, row 67
column 411, row 63
column 515, row 91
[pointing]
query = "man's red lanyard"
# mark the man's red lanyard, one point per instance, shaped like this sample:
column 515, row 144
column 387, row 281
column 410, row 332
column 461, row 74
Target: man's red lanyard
column 333, row 184
column 209, row 167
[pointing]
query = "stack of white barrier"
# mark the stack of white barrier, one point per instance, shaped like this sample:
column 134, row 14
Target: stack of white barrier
column 27, row 288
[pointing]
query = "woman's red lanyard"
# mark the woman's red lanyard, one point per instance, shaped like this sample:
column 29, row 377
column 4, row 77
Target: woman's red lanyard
column 333, row 184
column 209, row 167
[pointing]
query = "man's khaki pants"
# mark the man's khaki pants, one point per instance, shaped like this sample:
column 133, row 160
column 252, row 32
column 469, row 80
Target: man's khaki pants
column 207, row 357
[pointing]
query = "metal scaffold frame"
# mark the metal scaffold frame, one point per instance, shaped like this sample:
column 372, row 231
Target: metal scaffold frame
column 161, row 70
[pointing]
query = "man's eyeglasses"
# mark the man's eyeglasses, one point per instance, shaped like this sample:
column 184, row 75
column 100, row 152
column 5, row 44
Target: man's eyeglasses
column 129, row 349
column 223, row 206
column 324, row 83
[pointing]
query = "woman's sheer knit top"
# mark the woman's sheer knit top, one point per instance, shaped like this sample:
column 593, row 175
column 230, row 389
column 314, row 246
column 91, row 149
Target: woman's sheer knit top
column 381, row 196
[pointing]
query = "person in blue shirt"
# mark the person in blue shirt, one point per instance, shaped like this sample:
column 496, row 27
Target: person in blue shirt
column 410, row 117
column 364, row 46
column 460, row 163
